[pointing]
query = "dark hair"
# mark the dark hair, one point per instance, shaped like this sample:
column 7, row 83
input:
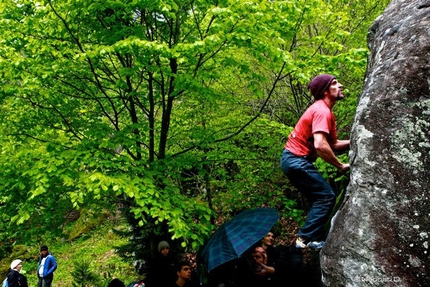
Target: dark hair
column 181, row 264
column 116, row 283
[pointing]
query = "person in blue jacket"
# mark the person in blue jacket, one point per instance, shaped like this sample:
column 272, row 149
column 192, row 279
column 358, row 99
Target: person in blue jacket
column 46, row 267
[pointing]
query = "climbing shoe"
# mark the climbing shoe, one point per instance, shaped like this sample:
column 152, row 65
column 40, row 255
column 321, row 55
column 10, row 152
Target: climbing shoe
column 315, row 245
column 300, row 243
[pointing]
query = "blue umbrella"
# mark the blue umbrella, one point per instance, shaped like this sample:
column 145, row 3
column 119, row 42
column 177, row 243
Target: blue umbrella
column 235, row 236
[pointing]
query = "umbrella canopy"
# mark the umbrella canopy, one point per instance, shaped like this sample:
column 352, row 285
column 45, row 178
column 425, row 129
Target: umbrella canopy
column 235, row 236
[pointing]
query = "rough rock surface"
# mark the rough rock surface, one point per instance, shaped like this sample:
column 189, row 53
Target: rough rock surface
column 381, row 234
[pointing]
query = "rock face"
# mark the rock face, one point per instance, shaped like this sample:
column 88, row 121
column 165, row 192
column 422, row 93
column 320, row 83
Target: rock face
column 381, row 234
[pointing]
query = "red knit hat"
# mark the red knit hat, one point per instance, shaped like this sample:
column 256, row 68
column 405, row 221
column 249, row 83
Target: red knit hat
column 319, row 85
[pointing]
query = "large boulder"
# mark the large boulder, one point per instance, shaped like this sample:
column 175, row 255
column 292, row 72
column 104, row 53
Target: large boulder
column 381, row 234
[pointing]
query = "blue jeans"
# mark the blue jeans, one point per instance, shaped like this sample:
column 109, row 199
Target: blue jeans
column 304, row 176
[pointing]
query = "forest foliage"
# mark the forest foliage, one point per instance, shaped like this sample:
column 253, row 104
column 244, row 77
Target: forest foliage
column 174, row 112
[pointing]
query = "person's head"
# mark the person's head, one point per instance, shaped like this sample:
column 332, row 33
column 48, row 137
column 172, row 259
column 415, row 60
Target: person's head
column 164, row 248
column 16, row 264
column 259, row 255
column 183, row 270
column 268, row 240
column 44, row 250
column 116, row 283
column 325, row 85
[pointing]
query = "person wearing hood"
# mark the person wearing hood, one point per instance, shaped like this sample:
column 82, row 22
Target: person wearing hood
column 14, row 277
column 162, row 268
column 46, row 267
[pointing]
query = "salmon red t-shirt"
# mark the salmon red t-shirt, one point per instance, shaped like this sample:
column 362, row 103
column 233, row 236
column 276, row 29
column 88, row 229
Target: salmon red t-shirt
column 317, row 118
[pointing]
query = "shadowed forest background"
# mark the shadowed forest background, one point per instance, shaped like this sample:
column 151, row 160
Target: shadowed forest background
column 124, row 123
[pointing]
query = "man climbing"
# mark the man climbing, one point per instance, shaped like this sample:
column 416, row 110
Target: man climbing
column 315, row 135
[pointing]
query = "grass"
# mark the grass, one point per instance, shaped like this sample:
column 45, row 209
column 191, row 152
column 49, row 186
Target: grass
column 97, row 248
